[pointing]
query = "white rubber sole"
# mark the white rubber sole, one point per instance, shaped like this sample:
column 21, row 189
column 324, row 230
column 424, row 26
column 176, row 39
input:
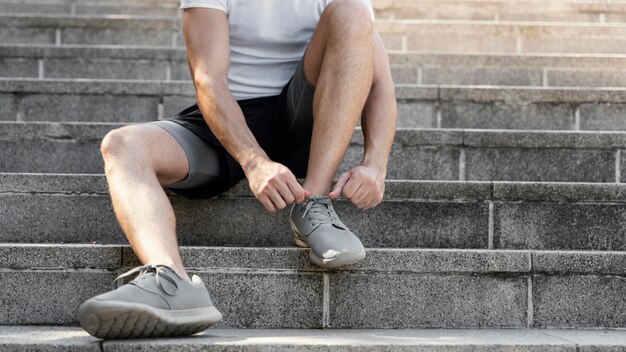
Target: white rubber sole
column 123, row 320
column 341, row 259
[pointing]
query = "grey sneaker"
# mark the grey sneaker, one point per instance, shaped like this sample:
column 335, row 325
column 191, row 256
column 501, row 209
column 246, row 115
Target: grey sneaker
column 156, row 303
column 315, row 224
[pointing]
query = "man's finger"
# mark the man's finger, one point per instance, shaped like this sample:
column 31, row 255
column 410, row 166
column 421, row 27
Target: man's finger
column 285, row 192
column 351, row 187
column 359, row 197
column 267, row 204
column 296, row 189
column 339, row 185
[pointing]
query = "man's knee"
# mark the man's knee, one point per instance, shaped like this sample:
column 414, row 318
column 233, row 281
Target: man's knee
column 118, row 143
column 352, row 15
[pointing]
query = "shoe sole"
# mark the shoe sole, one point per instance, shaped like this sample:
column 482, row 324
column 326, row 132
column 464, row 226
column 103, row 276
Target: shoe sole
column 123, row 320
column 341, row 259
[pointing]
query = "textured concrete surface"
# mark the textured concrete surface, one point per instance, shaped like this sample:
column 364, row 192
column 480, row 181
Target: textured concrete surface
column 28, row 338
column 109, row 36
column 543, row 165
column 482, row 76
column 587, row 79
column 603, row 117
column 16, row 256
column 559, row 226
column 501, row 115
column 417, row 114
column 18, row 67
column 86, row 108
column 579, row 301
column 105, row 68
column 53, row 297
column 362, row 301
column 8, row 112
column 267, row 300
column 598, row 263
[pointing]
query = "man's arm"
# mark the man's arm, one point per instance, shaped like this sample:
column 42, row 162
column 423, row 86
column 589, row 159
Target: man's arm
column 365, row 185
column 208, row 53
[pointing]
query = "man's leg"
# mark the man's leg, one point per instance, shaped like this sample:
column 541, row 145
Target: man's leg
column 339, row 62
column 139, row 159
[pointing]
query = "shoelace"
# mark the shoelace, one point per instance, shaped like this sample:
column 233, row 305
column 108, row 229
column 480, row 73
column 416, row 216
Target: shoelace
column 320, row 211
column 159, row 273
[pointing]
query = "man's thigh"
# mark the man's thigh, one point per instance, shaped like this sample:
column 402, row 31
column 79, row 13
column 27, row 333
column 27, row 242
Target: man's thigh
column 208, row 173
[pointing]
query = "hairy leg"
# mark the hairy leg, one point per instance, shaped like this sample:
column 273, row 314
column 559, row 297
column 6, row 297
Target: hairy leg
column 339, row 62
column 138, row 160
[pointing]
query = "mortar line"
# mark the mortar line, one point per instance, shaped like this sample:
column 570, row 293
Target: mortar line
column 438, row 114
column 577, row 119
column 602, row 17
column 518, row 44
column 168, row 71
column 160, row 111
column 405, row 43
column 490, row 244
column 545, row 77
column 326, row 302
column 57, row 37
column 618, row 166
column 73, row 9
column 40, row 73
column 462, row 165
column 18, row 108
column 531, row 307
column 175, row 39
column 420, row 75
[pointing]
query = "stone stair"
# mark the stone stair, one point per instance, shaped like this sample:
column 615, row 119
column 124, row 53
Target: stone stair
column 503, row 226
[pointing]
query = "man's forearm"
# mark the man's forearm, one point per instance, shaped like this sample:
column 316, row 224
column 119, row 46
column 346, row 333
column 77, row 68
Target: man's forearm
column 379, row 125
column 226, row 120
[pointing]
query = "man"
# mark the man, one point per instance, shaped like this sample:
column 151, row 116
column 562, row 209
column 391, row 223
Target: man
column 280, row 87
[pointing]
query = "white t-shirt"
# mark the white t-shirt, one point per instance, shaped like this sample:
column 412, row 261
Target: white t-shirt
column 267, row 39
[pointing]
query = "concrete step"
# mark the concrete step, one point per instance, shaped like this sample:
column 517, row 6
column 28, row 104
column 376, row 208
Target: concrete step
column 497, row 10
column 73, row 7
column 391, row 288
column 502, row 37
column 422, row 35
column 503, row 10
column 420, row 106
column 46, row 61
column 44, row 208
column 61, row 339
column 417, row 154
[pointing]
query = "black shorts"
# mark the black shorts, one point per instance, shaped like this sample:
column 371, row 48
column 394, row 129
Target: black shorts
column 281, row 124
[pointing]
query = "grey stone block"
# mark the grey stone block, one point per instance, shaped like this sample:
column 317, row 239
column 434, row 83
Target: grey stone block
column 59, row 156
column 596, row 263
column 110, row 36
column 404, row 75
column 53, row 296
column 8, row 111
column 623, row 166
column 392, row 41
column 439, row 190
column 16, row 8
column 267, row 300
column 47, row 339
column 459, row 43
column 31, row 36
column 579, row 301
column 603, row 117
column 482, row 76
column 565, row 165
column 53, row 183
column 419, row 224
column 103, row 9
column 107, row 69
column 502, row 115
column 362, row 301
column 559, row 226
column 77, row 219
column 83, row 108
column 19, row 67
column 521, row 94
column 417, row 114
column 571, row 78
column 559, row 192
column 421, row 163
column 173, row 104
column 180, row 70
column 580, row 45
column 16, row 256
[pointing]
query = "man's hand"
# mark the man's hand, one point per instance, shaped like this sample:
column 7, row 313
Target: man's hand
column 363, row 185
column 274, row 185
